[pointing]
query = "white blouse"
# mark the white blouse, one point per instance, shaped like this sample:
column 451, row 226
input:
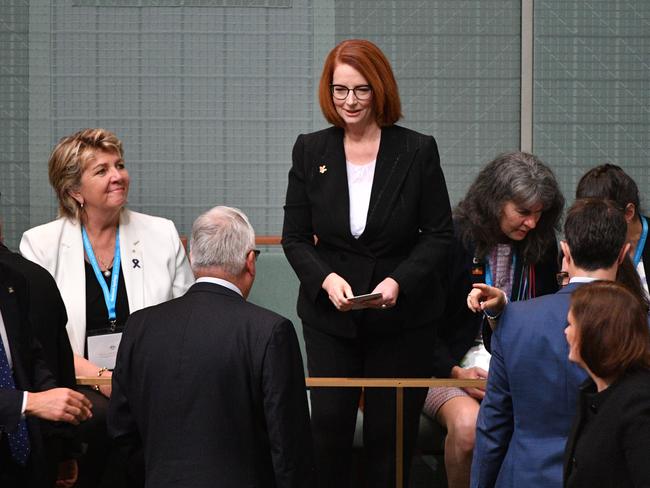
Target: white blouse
column 360, row 178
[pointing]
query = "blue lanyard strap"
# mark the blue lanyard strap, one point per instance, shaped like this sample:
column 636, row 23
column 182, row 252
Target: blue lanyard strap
column 110, row 297
column 641, row 244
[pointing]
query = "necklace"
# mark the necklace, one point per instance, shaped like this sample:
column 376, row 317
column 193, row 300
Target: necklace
column 107, row 271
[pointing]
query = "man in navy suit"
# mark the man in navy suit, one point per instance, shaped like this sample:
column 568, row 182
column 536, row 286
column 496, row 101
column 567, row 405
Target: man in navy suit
column 28, row 391
column 532, row 386
column 212, row 385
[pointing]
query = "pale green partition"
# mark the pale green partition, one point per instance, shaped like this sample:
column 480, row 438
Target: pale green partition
column 592, row 87
column 276, row 288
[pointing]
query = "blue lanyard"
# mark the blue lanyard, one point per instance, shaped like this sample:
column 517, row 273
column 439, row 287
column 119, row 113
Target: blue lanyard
column 641, row 244
column 109, row 297
column 488, row 271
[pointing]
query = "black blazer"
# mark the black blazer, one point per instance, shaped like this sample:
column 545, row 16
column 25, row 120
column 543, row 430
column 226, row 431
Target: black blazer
column 214, row 387
column 47, row 316
column 610, row 438
column 40, row 297
column 29, row 370
column 407, row 233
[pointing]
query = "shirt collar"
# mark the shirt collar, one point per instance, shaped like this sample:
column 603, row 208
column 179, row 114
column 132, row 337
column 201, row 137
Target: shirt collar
column 219, row 281
column 582, row 279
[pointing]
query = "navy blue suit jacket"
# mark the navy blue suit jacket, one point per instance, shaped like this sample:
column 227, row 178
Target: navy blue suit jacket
column 531, row 397
column 29, row 369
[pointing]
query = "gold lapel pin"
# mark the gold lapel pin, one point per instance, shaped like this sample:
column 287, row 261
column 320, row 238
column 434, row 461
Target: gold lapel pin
column 322, row 168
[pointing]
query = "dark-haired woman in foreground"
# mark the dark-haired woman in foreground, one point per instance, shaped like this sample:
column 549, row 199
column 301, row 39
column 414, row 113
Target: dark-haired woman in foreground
column 610, row 440
column 366, row 211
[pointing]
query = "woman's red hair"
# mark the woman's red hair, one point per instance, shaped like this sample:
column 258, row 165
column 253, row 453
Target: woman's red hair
column 368, row 60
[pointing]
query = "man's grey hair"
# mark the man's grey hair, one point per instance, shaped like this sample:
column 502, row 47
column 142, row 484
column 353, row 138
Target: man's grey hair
column 221, row 237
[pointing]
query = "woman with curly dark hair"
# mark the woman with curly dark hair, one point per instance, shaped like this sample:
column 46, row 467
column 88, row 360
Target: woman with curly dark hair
column 505, row 246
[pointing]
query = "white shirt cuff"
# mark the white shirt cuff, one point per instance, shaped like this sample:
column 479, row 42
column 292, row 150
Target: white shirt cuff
column 24, row 406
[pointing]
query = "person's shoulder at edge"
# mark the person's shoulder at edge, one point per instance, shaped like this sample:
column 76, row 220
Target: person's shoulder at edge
column 311, row 137
column 131, row 217
column 520, row 313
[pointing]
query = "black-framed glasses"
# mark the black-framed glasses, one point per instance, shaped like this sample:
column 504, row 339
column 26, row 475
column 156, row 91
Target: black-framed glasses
column 257, row 253
column 341, row 92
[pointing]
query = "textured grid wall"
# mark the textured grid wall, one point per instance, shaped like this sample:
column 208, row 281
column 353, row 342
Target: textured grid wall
column 592, row 87
column 457, row 65
column 14, row 109
column 209, row 100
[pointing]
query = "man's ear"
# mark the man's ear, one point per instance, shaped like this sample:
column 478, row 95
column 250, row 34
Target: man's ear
column 623, row 253
column 250, row 263
column 630, row 212
column 566, row 251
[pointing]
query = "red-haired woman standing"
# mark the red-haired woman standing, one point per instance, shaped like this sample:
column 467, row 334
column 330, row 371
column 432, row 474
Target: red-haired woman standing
column 367, row 211
column 608, row 336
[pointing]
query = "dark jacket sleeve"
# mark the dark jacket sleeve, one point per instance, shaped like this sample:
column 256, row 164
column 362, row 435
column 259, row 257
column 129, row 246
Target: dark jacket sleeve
column 460, row 326
column 286, row 411
column 120, row 420
column 10, row 403
column 297, row 230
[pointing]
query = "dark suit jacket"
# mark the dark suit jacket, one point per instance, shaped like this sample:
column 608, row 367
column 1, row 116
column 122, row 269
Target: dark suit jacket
column 610, row 438
column 460, row 326
column 29, row 370
column 47, row 316
column 530, row 399
column 214, row 387
column 407, row 234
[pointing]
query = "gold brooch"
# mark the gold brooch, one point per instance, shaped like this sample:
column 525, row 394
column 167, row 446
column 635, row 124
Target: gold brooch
column 322, row 169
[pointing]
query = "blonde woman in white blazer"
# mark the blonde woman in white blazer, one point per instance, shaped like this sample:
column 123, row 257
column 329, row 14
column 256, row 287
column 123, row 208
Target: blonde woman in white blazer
column 88, row 173
column 154, row 264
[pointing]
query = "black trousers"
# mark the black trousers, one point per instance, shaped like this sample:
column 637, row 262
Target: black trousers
column 37, row 474
column 106, row 463
column 406, row 353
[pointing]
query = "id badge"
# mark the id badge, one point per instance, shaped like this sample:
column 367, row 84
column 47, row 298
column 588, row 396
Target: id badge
column 102, row 349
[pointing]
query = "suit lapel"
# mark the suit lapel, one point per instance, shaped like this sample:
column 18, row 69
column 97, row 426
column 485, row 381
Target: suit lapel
column 9, row 307
column 131, row 245
column 393, row 163
column 70, row 276
column 332, row 174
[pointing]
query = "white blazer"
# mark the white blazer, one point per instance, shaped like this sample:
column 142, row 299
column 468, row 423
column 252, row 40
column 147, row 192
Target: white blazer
column 154, row 263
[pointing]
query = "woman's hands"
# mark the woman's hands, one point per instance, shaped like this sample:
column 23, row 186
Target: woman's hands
column 83, row 367
column 389, row 289
column 339, row 291
column 473, row 373
column 106, row 390
column 485, row 297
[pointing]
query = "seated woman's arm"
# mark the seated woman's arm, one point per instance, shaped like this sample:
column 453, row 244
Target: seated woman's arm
column 83, row 367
